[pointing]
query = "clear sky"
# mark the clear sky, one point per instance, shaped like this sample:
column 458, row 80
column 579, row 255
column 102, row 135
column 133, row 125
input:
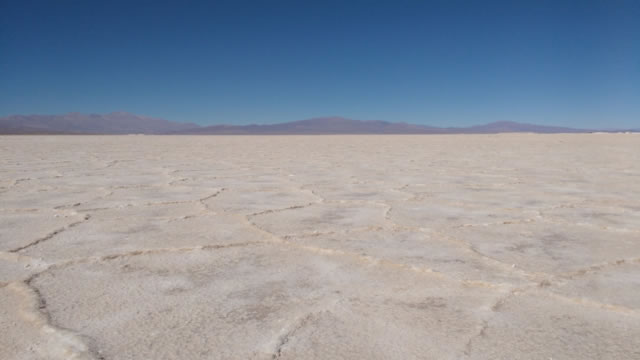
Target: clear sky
column 446, row 63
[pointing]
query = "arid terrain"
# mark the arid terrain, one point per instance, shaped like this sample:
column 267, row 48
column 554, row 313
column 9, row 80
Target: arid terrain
column 512, row 246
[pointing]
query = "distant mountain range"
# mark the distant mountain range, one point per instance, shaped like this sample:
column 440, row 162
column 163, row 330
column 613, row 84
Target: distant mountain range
column 338, row 125
column 77, row 123
column 125, row 123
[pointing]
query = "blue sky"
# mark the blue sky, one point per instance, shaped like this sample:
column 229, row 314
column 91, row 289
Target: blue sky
column 446, row 63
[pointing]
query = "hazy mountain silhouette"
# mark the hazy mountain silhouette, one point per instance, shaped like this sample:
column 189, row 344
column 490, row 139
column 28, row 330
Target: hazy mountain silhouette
column 77, row 123
column 327, row 125
column 338, row 125
column 510, row 126
column 125, row 123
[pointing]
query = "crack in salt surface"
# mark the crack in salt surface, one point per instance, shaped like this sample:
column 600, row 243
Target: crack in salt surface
column 51, row 234
column 203, row 200
column 284, row 339
column 507, row 222
column 271, row 211
column 61, row 343
column 140, row 252
column 599, row 267
column 301, row 322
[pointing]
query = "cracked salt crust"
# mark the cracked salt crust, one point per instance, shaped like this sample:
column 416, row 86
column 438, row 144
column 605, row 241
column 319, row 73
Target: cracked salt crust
column 320, row 247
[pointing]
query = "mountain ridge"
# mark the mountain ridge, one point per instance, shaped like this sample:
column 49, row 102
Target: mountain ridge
column 126, row 123
column 78, row 123
column 339, row 125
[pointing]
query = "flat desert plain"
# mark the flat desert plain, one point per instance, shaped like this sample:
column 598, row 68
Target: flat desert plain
column 513, row 246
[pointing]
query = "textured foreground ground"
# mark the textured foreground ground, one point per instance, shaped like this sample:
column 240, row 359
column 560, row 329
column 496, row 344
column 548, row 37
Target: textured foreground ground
column 327, row 247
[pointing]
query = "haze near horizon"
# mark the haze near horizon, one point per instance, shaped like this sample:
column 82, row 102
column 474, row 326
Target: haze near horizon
column 440, row 63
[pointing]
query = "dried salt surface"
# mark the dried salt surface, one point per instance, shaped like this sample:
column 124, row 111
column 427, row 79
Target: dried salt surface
column 320, row 247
